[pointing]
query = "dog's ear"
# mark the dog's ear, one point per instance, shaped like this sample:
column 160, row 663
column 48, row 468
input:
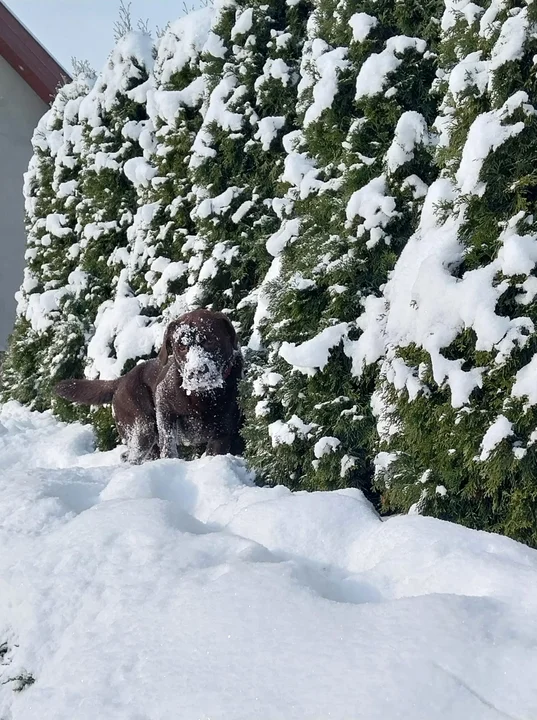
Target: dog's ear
column 166, row 350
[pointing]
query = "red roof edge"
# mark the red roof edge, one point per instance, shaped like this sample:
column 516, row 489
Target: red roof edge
column 28, row 57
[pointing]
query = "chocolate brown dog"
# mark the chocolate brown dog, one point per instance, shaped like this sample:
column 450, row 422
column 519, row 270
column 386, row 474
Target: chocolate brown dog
column 187, row 396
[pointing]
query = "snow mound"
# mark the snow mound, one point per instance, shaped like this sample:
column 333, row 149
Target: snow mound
column 180, row 589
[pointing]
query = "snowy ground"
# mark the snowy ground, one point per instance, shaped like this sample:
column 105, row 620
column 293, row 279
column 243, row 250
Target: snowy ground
column 181, row 591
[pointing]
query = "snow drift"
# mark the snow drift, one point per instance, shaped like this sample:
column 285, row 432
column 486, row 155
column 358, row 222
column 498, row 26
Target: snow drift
column 180, row 589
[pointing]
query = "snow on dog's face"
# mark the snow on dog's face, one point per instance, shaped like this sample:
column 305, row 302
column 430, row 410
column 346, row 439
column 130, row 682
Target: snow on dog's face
column 204, row 347
column 198, row 360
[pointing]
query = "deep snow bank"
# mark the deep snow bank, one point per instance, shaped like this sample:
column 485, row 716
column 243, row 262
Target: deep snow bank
column 180, row 590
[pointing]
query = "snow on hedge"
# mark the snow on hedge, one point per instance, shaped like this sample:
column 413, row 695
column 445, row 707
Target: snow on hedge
column 182, row 589
column 356, row 171
column 123, row 69
column 455, row 328
column 129, row 325
column 46, row 332
column 357, row 191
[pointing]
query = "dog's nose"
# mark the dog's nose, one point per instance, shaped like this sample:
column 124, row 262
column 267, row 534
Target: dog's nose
column 201, row 369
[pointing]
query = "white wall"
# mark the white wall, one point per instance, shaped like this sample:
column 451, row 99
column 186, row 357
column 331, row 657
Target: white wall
column 20, row 110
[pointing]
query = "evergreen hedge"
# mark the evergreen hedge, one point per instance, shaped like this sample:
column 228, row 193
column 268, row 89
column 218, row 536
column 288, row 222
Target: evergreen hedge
column 353, row 184
column 355, row 194
column 459, row 391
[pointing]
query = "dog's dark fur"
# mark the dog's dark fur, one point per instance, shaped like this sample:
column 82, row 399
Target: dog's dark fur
column 154, row 413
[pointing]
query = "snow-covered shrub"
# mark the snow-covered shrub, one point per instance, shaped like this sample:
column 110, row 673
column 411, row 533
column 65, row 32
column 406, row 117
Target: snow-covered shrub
column 45, row 342
column 164, row 225
column 187, row 245
column 356, row 172
column 354, row 185
column 153, row 272
column 459, row 379
column 251, row 69
column 113, row 116
column 80, row 202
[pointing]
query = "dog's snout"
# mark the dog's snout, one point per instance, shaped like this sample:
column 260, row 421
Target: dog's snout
column 201, row 369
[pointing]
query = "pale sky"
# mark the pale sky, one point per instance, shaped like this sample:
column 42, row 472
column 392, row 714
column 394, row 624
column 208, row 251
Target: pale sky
column 85, row 28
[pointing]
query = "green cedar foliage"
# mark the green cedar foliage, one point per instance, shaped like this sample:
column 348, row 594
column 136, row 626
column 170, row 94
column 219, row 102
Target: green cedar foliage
column 152, row 277
column 461, row 400
column 111, row 116
column 163, row 234
column 41, row 348
column 365, row 87
column 251, row 67
column 80, row 203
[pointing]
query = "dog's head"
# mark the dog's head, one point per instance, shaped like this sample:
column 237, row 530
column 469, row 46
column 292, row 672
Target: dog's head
column 203, row 345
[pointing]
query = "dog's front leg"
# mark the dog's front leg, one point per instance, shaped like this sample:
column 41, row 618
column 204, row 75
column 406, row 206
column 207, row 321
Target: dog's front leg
column 167, row 434
column 167, row 437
